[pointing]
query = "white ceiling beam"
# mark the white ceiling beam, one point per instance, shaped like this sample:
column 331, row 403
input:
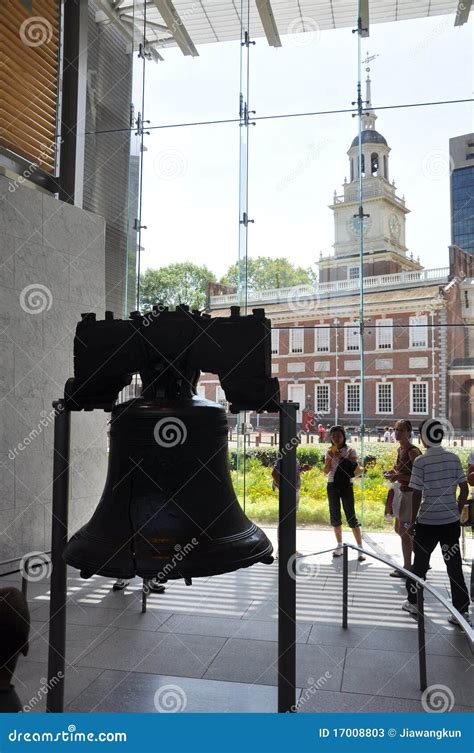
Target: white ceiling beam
column 364, row 18
column 176, row 27
column 462, row 13
column 267, row 18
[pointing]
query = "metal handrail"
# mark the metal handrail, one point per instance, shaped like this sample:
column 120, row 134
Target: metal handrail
column 24, row 572
column 463, row 624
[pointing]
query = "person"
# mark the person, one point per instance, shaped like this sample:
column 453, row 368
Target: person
column 14, row 634
column 435, row 515
column 402, row 501
column 386, row 434
column 393, row 437
column 322, row 433
column 470, row 471
column 340, row 465
column 153, row 585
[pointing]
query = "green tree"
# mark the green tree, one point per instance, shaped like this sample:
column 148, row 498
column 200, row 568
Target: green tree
column 184, row 282
column 264, row 273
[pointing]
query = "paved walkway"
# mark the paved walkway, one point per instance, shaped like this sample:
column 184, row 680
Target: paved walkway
column 213, row 646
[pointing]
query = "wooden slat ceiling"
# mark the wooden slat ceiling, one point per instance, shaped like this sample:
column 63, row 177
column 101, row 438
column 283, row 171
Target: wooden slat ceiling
column 29, row 44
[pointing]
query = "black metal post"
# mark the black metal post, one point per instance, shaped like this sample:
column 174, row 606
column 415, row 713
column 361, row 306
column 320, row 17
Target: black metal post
column 286, row 561
column 421, row 637
column 59, row 531
column 345, row 584
column 145, row 591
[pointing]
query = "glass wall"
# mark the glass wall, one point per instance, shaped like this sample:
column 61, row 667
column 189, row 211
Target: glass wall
column 308, row 170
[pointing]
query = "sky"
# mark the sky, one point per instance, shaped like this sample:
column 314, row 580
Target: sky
column 191, row 173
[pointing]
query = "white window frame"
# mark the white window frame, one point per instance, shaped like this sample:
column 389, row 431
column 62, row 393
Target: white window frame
column 221, row 398
column 349, row 270
column 346, row 397
column 377, row 398
column 327, row 387
column 415, row 328
column 275, row 347
column 384, row 329
column 296, row 337
column 317, row 332
column 427, row 397
column 348, row 333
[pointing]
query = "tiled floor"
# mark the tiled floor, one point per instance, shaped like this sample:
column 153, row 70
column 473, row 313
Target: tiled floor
column 213, row 646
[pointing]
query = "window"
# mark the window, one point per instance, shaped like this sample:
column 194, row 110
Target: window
column 275, row 341
column 353, row 273
column 418, row 331
column 352, row 392
column 201, row 390
column 419, row 398
column 221, row 398
column 351, row 336
column 322, row 398
column 296, row 340
column 385, row 397
column 374, row 163
column 322, row 335
column 384, row 329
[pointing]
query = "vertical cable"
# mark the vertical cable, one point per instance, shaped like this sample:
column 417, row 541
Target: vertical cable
column 141, row 133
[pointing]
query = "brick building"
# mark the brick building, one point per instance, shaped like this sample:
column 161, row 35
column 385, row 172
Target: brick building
column 407, row 359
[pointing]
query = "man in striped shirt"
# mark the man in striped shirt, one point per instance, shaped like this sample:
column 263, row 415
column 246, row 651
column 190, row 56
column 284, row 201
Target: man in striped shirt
column 436, row 513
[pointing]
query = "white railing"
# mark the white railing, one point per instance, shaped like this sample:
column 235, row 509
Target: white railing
column 299, row 292
column 352, row 194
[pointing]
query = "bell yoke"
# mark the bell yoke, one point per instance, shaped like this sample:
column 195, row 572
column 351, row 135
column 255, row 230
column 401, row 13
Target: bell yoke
column 168, row 509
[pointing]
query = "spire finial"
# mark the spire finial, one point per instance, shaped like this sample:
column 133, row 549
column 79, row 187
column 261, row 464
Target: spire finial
column 370, row 116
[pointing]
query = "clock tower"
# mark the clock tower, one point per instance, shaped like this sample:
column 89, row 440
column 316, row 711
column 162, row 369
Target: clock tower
column 384, row 246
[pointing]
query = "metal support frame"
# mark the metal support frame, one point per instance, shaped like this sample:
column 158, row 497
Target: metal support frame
column 73, row 99
column 59, row 532
column 421, row 637
column 286, row 559
column 345, row 584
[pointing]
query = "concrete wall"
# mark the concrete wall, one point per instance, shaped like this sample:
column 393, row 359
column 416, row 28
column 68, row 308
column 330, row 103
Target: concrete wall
column 51, row 270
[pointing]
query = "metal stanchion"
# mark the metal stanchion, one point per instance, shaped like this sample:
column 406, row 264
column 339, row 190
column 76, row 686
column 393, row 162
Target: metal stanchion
column 59, row 531
column 286, row 561
column 421, row 637
column 345, row 584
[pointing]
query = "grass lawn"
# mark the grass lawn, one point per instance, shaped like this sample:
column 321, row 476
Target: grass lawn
column 261, row 501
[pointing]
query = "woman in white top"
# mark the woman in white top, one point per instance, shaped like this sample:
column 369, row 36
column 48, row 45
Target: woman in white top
column 340, row 465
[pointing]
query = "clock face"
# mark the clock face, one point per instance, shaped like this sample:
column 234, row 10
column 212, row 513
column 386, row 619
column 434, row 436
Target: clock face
column 354, row 225
column 394, row 226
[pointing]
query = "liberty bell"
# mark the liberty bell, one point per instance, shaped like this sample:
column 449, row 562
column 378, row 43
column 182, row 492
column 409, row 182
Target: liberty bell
column 168, row 509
